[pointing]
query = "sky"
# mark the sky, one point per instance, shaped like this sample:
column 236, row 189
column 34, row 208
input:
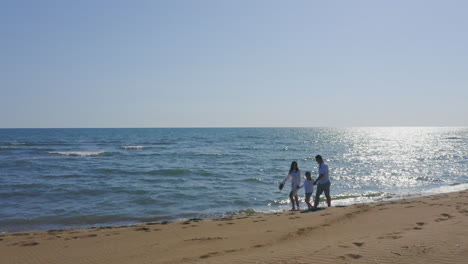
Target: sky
column 243, row 63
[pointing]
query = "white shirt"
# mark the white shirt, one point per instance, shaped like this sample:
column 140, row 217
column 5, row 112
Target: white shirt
column 295, row 177
column 308, row 186
column 323, row 169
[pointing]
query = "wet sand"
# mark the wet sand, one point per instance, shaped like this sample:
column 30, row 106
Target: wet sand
column 432, row 229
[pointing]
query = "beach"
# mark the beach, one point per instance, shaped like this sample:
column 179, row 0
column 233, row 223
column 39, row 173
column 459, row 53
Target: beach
column 431, row 229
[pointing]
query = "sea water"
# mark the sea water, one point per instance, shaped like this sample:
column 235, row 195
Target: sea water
column 68, row 178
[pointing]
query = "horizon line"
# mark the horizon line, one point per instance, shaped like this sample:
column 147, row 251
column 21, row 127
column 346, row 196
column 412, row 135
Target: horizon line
column 188, row 127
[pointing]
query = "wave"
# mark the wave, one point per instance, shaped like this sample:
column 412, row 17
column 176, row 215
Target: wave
column 64, row 176
column 92, row 221
column 166, row 172
column 160, row 143
column 211, row 155
column 248, row 211
column 25, row 194
column 254, row 180
column 455, row 187
column 70, row 220
column 170, row 172
column 28, row 186
column 146, row 201
column 29, row 144
column 134, row 147
column 68, row 192
column 20, row 144
column 80, row 153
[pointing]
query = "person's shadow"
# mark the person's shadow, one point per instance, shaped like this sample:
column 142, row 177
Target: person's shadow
column 312, row 210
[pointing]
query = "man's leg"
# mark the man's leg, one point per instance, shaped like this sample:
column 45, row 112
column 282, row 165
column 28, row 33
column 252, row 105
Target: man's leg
column 327, row 194
column 317, row 195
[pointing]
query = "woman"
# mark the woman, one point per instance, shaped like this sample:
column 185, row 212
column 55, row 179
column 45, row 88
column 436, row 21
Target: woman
column 295, row 177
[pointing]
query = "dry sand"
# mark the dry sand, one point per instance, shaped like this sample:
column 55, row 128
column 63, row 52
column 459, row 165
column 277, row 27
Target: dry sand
column 431, row 229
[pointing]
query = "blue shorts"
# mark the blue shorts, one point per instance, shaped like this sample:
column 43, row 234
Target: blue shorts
column 308, row 195
column 323, row 188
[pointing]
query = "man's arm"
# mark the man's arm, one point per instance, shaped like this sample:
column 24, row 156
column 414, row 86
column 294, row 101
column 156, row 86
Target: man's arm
column 319, row 178
column 321, row 175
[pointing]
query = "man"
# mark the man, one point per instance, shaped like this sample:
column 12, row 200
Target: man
column 322, row 182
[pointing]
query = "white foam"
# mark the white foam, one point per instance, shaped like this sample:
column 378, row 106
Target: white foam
column 133, row 147
column 399, row 196
column 78, row 153
column 447, row 189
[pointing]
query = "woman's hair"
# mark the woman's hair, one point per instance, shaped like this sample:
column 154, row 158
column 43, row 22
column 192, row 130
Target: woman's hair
column 292, row 167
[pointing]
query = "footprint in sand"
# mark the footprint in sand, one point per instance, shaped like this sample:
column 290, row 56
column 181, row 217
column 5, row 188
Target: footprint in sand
column 209, row 255
column 20, row 234
column 205, row 238
column 446, row 217
column 358, row 244
column 29, row 244
column 85, row 236
column 390, row 237
column 419, row 225
column 350, row 256
column 300, row 231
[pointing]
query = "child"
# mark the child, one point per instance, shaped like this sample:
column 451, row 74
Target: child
column 309, row 188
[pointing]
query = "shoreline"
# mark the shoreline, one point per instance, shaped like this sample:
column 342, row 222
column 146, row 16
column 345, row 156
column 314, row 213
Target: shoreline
column 412, row 230
column 393, row 197
column 365, row 199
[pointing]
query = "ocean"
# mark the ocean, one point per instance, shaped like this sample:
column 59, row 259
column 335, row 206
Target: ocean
column 80, row 178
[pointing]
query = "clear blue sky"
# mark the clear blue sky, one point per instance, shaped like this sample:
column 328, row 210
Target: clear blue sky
column 227, row 63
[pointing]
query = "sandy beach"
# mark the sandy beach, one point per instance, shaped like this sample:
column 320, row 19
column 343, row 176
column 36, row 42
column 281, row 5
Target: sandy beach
column 432, row 229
